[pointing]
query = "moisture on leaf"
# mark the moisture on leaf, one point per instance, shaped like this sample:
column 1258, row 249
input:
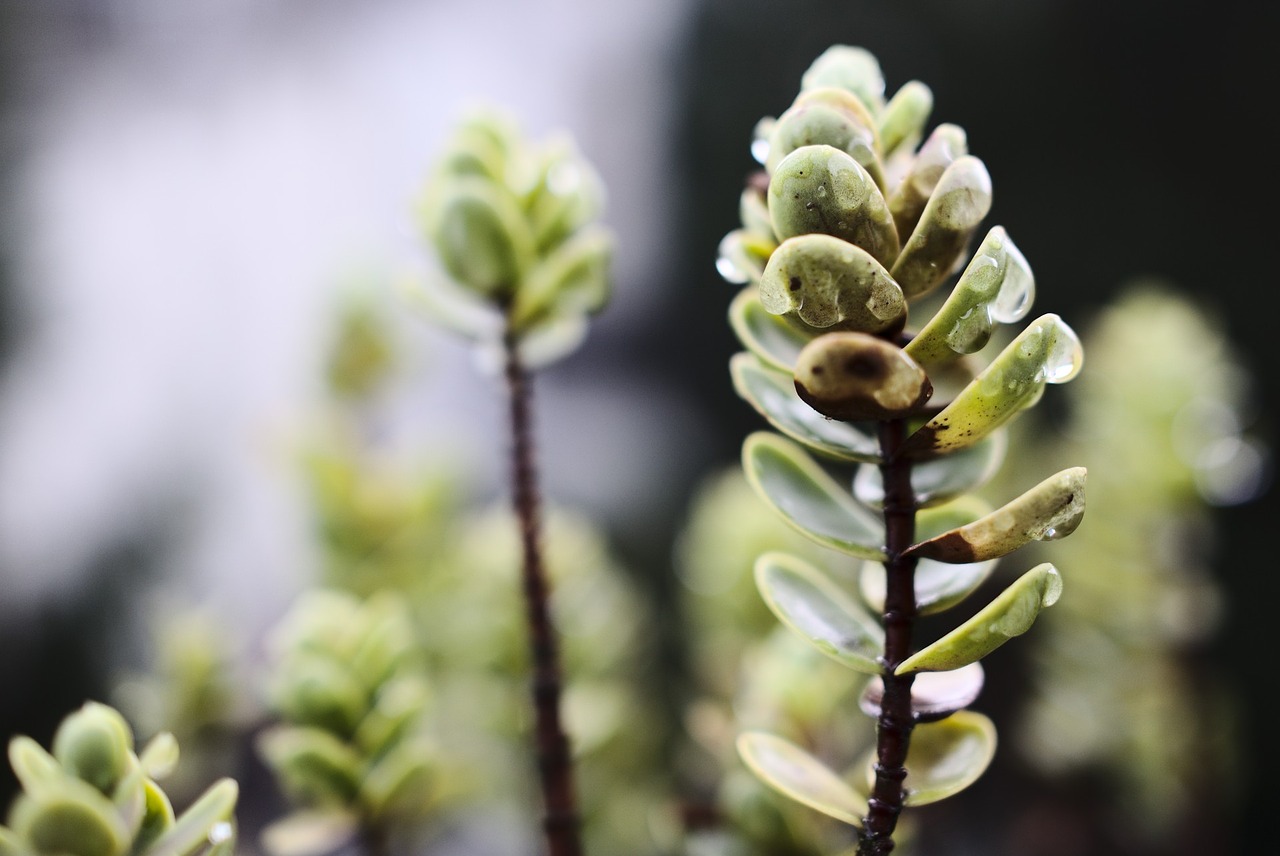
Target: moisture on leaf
column 1052, row 509
column 1048, row 351
column 775, row 339
column 996, row 286
column 948, row 756
column 939, row 480
column 794, row 772
column 830, row 283
column 815, row 608
column 1011, row 614
column 821, row 189
column 946, row 143
column 809, row 499
column 827, row 116
column 855, row 377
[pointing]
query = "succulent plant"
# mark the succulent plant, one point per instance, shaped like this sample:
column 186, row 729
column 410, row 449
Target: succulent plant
column 855, row 224
column 351, row 749
column 514, row 227
column 95, row 796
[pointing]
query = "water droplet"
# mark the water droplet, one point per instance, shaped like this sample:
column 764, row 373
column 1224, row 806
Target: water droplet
column 726, row 263
column 564, row 178
column 760, row 150
column 1050, row 534
column 1017, row 290
column 220, row 832
column 1065, row 356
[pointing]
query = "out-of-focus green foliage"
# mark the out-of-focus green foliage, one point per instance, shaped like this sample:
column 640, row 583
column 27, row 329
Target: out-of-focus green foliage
column 856, row 220
column 352, row 747
column 95, row 796
column 1161, row 416
column 513, row 224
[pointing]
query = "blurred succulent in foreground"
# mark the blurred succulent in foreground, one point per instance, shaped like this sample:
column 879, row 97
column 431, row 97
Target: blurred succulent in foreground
column 849, row 229
column 94, row 796
column 1162, row 414
column 513, row 225
column 352, row 749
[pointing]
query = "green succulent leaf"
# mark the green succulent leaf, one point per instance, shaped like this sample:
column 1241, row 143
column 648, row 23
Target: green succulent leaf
column 399, row 704
column 401, row 784
column 773, row 394
column 159, row 758
column 209, row 820
column 573, row 278
column 35, row 768
column 830, row 283
column 940, row 480
column 157, row 817
column 795, row 773
column 94, row 744
column 1011, row 614
column 774, row 339
column 815, row 608
column 954, row 211
column 742, row 255
column 75, row 819
column 996, row 286
column 821, row 189
column 481, row 235
column 903, row 119
column 847, row 67
column 1052, row 509
column 827, row 116
column 940, row 150
column 130, row 798
column 312, row 689
column 312, row 764
column 1048, row 351
column 948, row 756
column 809, row 499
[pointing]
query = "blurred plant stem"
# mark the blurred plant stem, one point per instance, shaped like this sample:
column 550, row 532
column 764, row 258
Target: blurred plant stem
column 555, row 769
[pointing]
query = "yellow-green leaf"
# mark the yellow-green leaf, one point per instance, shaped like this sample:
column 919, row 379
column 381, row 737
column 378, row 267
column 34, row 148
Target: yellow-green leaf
column 831, row 284
column 774, row 339
column 954, row 211
column 795, row 773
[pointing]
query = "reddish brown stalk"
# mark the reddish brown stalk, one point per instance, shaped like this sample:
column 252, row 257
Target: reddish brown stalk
column 893, row 729
column 555, row 769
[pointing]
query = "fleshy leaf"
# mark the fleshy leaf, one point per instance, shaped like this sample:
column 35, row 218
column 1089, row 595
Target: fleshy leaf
column 73, row 818
column 856, row 377
column 1011, row 614
column 832, row 117
column 160, row 756
column 830, row 283
column 573, row 278
column 480, row 235
column 821, row 189
column 200, row 822
column 815, row 608
column 157, row 818
column 776, row 340
column 941, row 479
column 954, row 211
column 33, row 765
column 847, row 67
column 809, row 499
column 794, row 772
column 1048, row 351
column 741, row 256
column 773, row 394
column 948, row 756
column 940, row 150
column 934, row 695
column 312, row 763
column 996, row 286
column 1052, row 509
column 904, row 117
column 400, row 783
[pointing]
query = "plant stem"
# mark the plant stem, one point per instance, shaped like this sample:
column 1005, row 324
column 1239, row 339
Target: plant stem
column 893, row 730
column 555, row 769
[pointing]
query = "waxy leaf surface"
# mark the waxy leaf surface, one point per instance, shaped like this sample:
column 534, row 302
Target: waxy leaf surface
column 948, row 756
column 1011, row 614
column 815, row 608
column 1048, row 351
column 794, row 772
column 809, row 499
column 1052, row 509
column 939, row 480
column 934, row 695
column 954, row 211
column 830, row 283
column 776, row 340
column 773, row 394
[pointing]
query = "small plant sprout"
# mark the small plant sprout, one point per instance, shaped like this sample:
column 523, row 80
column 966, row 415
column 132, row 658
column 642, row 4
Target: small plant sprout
column 513, row 226
column 95, row 796
column 854, row 356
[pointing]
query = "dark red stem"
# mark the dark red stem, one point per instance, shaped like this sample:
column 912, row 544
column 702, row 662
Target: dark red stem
column 893, row 729
column 555, row 768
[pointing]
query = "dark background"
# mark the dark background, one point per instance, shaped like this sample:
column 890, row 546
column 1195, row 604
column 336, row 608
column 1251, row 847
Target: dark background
column 1125, row 139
